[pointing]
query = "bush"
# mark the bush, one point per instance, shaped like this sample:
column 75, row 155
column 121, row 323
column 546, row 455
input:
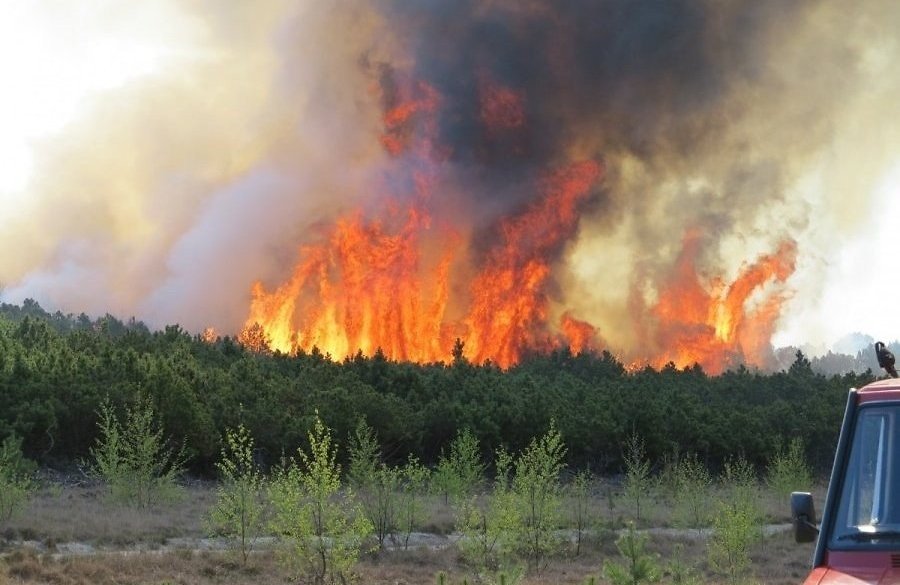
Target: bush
column 737, row 521
column 413, row 484
column 134, row 459
column 240, row 506
column 488, row 524
column 459, row 474
column 324, row 531
column 537, row 490
column 374, row 483
column 579, row 496
column 16, row 473
column 521, row 515
column 692, row 490
column 637, row 473
column 734, row 531
column 639, row 567
column 788, row 471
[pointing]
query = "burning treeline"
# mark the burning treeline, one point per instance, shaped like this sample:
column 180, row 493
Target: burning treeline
column 503, row 122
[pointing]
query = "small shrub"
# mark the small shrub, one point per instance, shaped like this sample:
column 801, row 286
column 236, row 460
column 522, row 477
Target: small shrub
column 374, row 483
column 667, row 478
column 680, row 572
column 742, row 488
column 788, row 470
column 692, row 490
column 460, row 474
column 537, row 491
column 324, row 531
column 737, row 521
column 638, row 482
column 365, row 456
column 16, row 478
column 509, row 576
column 639, row 566
column 240, row 506
column 734, row 531
column 579, row 496
column 487, row 524
column 134, row 459
column 413, row 485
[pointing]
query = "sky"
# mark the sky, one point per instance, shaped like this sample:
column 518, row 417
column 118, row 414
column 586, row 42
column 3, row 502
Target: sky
column 860, row 280
column 159, row 157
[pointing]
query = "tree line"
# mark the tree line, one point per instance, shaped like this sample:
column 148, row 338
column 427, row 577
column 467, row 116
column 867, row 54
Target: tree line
column 58, row 372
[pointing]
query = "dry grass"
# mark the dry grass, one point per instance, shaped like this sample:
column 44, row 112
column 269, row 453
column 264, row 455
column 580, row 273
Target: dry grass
column 778, row 562
column 70, row 514
column 170, row 568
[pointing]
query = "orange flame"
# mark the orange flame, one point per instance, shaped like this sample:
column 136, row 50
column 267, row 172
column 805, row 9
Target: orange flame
column 581, row 335
column 385, row 282
column 372, row 285
column 369, row 287
column 508, row 296
column 714, row 327
column 209, row 335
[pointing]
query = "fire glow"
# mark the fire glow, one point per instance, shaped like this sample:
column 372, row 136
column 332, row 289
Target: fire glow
column 400, row 282
column 370, row 286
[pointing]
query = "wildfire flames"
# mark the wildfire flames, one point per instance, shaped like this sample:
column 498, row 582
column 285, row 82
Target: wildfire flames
column 370, row 288
column 400, row 282
column 713, row 325
column 372, row 285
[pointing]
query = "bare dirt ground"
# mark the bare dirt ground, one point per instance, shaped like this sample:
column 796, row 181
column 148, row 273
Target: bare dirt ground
column 70, row 534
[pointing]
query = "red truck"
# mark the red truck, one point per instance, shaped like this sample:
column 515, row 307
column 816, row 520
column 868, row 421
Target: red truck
column 858, row 540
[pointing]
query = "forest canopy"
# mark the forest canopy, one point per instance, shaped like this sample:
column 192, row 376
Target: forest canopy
column 57, row 370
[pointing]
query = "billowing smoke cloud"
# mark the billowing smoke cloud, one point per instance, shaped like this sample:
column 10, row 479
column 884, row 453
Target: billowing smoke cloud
column 744, row 123
column 171, row 195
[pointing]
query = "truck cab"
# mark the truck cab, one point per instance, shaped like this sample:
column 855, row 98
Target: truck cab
column 858, row 540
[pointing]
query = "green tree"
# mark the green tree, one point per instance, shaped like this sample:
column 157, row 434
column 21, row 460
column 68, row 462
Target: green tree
column 374, row 483
column 323, row 529
column 365, row 455
column 134, row 458
column 461, row 473
column 737, row 521
column 637, row 473
column 579, row 497
column 413, row 485
column 742, row 489
column 788, row 471
column 734, row 531
column 16, row 478
column 240, row 505
column 489, row 524
column 537, row 490
column 639, row 567
column 692, row 491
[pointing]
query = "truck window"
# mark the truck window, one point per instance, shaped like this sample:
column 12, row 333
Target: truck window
column 870, row 495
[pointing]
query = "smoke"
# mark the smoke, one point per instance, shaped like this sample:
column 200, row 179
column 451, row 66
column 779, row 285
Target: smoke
column 752, row 122
column 172, row 194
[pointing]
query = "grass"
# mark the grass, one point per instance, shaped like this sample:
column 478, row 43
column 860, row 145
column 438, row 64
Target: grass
column 779, row 562
column 130, row 541
column 67, row 514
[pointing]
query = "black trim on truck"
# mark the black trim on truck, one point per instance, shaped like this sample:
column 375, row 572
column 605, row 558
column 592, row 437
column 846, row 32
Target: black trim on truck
column 837, row 475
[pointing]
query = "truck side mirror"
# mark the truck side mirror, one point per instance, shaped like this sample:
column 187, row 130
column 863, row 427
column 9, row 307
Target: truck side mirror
column 803, row 515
